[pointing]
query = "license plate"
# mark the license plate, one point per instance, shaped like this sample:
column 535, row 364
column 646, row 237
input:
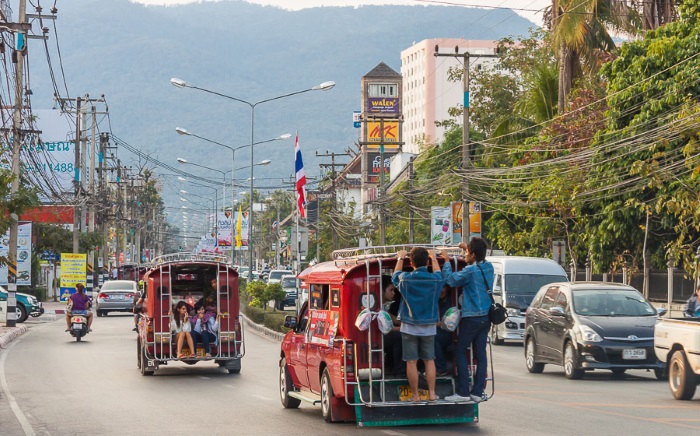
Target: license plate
column 117, row 297
column 634, row 353
column 76, row 327
column 405, row 393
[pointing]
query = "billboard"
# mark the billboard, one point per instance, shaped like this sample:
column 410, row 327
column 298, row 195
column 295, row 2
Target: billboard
column 24, row 255
column 374, row 167
column 383, row 106
column 224, row 229
column 73, row 270
column 441, row 225
column 390, row 137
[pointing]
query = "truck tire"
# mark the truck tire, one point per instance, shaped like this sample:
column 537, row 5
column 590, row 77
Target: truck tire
column 571, row 369
column 326, row 396
column 286, row 386
column 681, row 378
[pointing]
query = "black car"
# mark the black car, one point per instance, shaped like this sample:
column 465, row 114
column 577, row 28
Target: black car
column 590, row 325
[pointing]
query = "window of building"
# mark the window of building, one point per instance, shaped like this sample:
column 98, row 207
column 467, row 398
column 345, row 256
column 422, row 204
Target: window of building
column 383, row 89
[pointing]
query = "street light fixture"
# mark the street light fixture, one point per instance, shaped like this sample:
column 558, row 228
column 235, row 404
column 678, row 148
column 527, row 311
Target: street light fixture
column 325, row 86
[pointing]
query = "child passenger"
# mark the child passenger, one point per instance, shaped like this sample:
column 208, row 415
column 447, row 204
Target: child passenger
column 181, row 328
column 205, row 324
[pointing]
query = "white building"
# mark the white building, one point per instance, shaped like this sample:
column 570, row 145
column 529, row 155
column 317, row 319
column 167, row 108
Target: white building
column 427, row 93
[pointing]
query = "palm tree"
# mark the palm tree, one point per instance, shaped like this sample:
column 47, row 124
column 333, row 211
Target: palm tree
column 580, row 29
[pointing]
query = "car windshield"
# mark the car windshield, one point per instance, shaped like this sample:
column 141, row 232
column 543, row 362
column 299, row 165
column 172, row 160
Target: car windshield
column 529, row 284
column 277, row 274
column 289, row 282
column 118, row 286
column 602, row 302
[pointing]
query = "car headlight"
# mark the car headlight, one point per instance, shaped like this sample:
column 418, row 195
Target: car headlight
column 513, row 311
column 588, row 334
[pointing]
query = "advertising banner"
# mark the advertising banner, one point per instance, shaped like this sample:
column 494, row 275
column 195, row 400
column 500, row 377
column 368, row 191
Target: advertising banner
column 24, row 254
column 441, row 225
column 323, row 325
column 374, row 167
column 474, row 220
column 383, row 105
column 224, row 226
column 242, row 230
column 456, row 221
column 390, row 138
column 73, row 270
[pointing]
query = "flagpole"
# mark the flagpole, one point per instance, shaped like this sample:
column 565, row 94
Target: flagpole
column 298, row 265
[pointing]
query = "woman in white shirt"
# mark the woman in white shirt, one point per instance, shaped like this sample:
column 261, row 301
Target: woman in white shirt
column 180, row 327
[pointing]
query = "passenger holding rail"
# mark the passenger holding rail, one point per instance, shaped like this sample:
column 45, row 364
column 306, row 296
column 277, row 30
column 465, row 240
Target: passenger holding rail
column 418, row 313
column 204, row 327
column 180, row 327
column 392, row 340
column 476, row 280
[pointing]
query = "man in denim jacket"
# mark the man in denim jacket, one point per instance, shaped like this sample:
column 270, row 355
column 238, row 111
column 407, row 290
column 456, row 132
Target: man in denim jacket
column 418, row 313
column 476, row 280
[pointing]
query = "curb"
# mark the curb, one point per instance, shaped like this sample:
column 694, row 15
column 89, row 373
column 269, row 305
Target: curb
column 262, row 329
column 11, row 335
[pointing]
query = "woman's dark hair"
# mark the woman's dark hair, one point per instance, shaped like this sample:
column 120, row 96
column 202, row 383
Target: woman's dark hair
column 180, row 304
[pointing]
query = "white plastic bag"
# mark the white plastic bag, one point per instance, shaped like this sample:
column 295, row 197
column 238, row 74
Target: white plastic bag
column 450, row 320
column 384, row 321
column 363, row 320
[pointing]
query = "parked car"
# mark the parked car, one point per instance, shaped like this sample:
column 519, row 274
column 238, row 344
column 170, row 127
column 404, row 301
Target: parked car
column 116, row 296
column 591, row 325
column 289, row 286
column 26, row 305
column 677, row 342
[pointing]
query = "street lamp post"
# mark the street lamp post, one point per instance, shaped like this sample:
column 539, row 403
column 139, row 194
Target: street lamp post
column 325, row 86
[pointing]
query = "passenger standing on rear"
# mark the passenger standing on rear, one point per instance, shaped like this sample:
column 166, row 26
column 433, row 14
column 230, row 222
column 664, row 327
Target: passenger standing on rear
column 418, row 313
column 476, row 280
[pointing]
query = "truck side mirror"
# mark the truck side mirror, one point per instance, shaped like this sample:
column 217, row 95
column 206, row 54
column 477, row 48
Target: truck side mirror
column 290, row 321
column 661, row 311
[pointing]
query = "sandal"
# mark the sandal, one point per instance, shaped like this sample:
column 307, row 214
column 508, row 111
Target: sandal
column 181, row 356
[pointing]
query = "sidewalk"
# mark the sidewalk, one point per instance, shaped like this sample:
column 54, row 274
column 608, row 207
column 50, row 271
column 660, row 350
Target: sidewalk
column 8, row 334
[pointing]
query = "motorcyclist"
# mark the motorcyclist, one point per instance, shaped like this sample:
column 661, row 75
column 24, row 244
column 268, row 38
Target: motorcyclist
column 692, row 308
column 79, row 304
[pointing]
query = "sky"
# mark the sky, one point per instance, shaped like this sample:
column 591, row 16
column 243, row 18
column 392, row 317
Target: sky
column 531, row 8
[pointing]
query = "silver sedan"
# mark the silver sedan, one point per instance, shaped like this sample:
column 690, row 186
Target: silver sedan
column 116, row 296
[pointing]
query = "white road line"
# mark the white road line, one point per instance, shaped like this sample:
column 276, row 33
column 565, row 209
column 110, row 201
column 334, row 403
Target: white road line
column 392, row 433
column 24, row 422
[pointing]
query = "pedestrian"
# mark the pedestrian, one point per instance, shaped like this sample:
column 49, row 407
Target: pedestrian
column 476, row 280
column 692, row 307
column 418, row 313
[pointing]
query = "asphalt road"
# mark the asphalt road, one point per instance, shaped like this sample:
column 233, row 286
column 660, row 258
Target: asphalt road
column 52, row 385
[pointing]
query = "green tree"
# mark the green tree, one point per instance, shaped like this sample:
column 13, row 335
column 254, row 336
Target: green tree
column 256, row 290
column 273, row 291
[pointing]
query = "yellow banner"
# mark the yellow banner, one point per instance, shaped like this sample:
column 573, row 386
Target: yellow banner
column 391, row 134
column 73, row 269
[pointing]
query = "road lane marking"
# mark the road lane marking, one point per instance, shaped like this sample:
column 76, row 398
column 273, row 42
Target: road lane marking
column 24, row 422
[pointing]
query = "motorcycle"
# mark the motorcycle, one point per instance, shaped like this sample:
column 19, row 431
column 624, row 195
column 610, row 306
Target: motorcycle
column 78, row 326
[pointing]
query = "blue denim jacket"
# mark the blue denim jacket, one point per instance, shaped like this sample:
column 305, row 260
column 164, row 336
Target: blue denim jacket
column 421, row 292
column 475, row 297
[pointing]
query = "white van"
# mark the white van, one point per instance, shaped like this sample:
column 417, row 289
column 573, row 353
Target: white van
column 516, row 281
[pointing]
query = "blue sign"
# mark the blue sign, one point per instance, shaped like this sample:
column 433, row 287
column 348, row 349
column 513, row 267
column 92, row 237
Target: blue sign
column 356, row 121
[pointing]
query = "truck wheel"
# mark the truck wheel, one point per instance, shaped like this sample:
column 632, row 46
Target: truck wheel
column 326, row 397
column 532, row 366
column 571, row 369
column 286, row 387
column 681, row 378
column 495, row 340
column 138, row 354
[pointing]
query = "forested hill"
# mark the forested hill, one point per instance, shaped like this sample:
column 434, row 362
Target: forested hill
column 129, row 52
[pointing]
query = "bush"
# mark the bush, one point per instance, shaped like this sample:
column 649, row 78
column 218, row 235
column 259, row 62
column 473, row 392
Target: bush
column 256, row 292
column 273, row 291
column 38, row 292
column 273, row 321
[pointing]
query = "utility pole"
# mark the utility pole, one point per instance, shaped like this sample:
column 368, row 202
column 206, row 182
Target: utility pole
column 332, row 166
column 466, row 145
column 410, row 202
column 76, row 180
column 18, row 54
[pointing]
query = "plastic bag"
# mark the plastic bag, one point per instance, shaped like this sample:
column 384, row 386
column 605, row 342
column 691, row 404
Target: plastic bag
column 384, row 321
column 450, row 320
column 363, row 320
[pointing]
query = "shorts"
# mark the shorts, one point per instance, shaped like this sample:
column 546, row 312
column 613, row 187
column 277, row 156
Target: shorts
column 78, row 312
column 417, row 347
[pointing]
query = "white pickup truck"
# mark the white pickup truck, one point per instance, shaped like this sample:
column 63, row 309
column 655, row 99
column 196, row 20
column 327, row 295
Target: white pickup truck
column 677, row 342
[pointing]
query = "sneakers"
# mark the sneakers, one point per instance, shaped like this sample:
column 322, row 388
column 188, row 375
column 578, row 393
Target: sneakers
column 134, row 329
column 456, row 398
column 479, row 399
column 67, row 330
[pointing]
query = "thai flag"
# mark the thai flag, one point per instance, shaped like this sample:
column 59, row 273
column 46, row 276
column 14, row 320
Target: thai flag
column 301, row 177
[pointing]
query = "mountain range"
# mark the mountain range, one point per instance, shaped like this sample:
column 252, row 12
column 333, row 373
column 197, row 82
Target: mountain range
column 129, row 52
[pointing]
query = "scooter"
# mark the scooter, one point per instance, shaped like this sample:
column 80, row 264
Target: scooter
column 78, row 326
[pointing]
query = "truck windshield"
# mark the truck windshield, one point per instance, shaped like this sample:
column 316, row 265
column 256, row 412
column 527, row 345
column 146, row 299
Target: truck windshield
column 529, row 284
column 289, row 282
